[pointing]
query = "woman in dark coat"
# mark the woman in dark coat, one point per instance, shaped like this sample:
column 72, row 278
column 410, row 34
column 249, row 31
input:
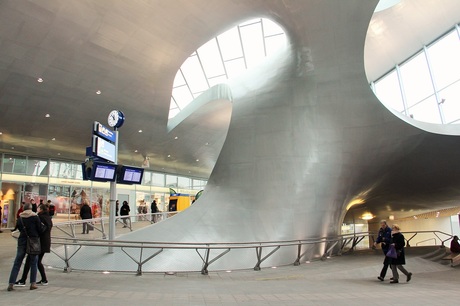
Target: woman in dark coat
column 397, row 239
column 85, row 213
column 45, row 243
column 124, row 211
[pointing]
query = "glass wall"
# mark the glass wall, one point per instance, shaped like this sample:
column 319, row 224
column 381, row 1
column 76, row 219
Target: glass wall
column 426, row 87
column 24, row 178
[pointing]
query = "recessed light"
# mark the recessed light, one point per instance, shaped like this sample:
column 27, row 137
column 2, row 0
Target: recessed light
column 98, row 92
column 140, row 131
column 53, row 139
column 135, row 151
column 169, row 155
column 197, row 159
column 176, row 137
column 47, row 115
column 1, row 133
column 59, row 153
column 40, row 80
column 207, row 143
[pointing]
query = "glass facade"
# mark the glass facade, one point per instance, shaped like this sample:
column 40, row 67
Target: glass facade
column 23, row 178
column 426, row 87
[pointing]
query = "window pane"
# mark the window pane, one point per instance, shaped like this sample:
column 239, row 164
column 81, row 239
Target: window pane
column 445, row 60
column 179, row 79
column 184, row 182
column 194, row 75
column 416, row 79
column 210, row 59
column 158, row 179
column 235, row 67
column 171, row 181
column 273, row 43
column 37, row 167
column 182, row 96
column 271, row 28
column 388, row 91
column 253, row 44
column 426, row 110
column 217, row 80
column 451, row 105
column 230, row 44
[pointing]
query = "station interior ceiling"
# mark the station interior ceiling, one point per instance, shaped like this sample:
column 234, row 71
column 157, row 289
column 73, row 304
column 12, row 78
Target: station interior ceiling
column 130, row 53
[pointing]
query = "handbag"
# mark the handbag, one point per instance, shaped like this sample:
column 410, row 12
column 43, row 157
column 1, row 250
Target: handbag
column 392, row 252
column 33, row 246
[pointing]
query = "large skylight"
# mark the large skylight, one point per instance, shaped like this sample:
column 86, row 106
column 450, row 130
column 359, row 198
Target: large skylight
column 224, row 57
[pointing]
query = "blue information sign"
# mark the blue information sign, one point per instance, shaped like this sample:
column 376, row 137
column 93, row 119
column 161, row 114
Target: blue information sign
column 104, row 132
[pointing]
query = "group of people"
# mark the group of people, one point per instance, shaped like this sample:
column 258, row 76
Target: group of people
column 388, row 238
column 31, row 223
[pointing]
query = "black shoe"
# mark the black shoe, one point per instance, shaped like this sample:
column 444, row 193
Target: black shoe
column 409, row 277
column 43, row 283
column 391, row 278
column 380, row 278
column 20, row 283
column 395, row 281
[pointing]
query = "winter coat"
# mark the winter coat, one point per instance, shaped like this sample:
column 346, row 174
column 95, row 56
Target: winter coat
column 124, row 210
column 45, row 237
column 398, row 240
column 384, row 238
column 85, row 212
column 31, row 221
column 154, row 207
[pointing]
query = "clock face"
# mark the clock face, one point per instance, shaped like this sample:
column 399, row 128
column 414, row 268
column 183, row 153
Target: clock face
column 115, row 119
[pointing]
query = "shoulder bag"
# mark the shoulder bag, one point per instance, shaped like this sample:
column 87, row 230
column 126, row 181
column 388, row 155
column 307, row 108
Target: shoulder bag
column 33, row 243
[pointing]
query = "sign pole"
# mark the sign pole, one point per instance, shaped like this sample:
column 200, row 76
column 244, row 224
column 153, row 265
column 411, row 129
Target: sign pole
column 113, row 198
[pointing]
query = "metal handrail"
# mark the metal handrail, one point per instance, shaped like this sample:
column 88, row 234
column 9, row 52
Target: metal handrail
column 337, row 243
column 434, row 239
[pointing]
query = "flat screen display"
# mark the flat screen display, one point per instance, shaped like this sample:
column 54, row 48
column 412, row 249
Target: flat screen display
column 103, row 172
column 104, row 149
column 130, row 175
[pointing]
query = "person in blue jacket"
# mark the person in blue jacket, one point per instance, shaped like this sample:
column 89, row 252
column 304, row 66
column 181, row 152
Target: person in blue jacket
column 384, row 238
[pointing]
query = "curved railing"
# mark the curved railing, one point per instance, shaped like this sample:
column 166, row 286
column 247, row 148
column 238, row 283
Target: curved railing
column 262, row 249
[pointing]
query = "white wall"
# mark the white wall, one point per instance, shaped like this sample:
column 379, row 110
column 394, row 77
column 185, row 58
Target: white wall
column 439, row 224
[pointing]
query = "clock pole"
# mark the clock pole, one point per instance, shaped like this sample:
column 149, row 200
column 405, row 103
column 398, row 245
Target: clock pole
column 113, row 198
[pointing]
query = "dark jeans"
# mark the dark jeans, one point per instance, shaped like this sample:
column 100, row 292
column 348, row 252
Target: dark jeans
column 20, row 254
column 87, row 227
column 41, row 269
column 386, row 264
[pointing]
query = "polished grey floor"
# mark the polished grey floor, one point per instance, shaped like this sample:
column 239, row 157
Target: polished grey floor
column 345, row 280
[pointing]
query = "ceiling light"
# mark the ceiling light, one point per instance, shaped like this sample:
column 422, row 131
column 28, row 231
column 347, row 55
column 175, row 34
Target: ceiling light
column 98, row 92
column 59, row 153
column 12, row 148
column 140, row 131
column 47, row 115
column 1, row 133
column 135, row 151
column 197, row 160
column 207, row 143
column 367, row 216
column 391, row 217
column 53, row 139
column 176, row 137
column 40, row 80
column 169, row 155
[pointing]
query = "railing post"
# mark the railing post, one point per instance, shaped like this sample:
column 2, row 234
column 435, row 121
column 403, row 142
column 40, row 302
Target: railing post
column 299, row 249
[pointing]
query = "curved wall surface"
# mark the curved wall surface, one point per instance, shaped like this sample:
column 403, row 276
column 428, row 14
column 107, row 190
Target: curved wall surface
column 307, row 137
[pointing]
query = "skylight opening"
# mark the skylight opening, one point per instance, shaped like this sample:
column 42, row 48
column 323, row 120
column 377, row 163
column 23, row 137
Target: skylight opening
column 224, row 57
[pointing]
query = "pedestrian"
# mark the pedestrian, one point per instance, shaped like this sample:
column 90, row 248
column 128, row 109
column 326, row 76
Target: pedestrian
column 34, row 205
column 154, row 210
column 454, row 245
column 51, row 208
column 29, row 225
column 85, row 213
column 397, row 240
column 124, row 211
column 45, row 243
column 384, row 238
